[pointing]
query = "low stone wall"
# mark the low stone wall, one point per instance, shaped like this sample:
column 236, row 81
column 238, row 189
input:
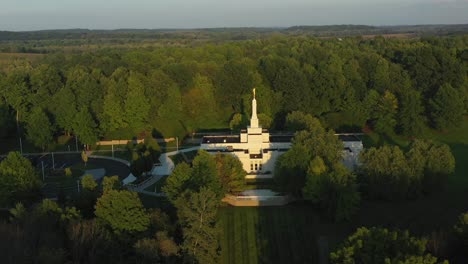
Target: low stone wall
column 257, row 200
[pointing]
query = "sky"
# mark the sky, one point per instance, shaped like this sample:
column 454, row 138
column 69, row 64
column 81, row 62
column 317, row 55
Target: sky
column 23, row 15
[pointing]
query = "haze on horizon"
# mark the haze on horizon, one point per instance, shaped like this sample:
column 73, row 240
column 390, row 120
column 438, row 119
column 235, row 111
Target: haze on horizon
column 23, row 15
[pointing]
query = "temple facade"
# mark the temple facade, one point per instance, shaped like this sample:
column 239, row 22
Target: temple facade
column 258, row 150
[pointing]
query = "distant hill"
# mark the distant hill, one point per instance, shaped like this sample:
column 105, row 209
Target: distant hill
column 233, row 33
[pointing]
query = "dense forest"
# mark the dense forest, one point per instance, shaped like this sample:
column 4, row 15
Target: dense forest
column 388, row 85
column 190, row 82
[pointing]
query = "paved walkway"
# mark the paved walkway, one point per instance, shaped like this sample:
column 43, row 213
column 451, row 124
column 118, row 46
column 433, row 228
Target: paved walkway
column 165, row 169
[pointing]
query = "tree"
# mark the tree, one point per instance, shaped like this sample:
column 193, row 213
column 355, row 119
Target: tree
column 178, row 181
column 85, row 127
column 446, row 107
column 45, row 82
column 231, row 173
column 311, row 141
column 39, row 129
column 113, row 112
column 84, row 157
column 111, row 183
column 411, row 117
column 439, row 165
column 335, row 191
column 385, row 173
column 88, row 182
column 64, row 109
column 136, row 103
column 264, row 120
column 68, row 172
column 18, row 179
column 380, row 245
column 461, row 230
column 385, row 113
column 205, row 174
column 159, row 249
column 236, row 121
column 122, row 211
column 197, row 212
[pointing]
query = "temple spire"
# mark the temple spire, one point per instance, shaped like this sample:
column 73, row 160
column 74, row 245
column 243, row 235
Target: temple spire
column 254, row 119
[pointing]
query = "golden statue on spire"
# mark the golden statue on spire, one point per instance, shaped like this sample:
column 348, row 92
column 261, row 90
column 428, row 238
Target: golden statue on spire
column 254, row 92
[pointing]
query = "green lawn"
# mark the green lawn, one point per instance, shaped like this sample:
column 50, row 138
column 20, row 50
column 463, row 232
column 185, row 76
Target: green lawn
column 268, row 235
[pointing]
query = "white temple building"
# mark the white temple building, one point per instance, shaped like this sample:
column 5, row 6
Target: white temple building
column 258, row 150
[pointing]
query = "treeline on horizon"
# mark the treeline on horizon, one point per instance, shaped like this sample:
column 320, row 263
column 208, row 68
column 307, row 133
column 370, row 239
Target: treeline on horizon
column 388, row 85
column 36, row 41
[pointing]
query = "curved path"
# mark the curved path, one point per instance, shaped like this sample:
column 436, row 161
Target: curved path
column 165, row 169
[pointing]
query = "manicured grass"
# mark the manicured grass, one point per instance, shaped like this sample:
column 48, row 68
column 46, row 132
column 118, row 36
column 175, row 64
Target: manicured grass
column 183, row 157
column 268, row 235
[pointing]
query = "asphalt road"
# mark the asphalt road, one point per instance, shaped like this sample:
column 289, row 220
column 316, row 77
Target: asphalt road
column 66, row 160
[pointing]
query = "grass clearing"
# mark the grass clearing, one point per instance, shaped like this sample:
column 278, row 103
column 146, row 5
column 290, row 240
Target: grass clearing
column 268, row 235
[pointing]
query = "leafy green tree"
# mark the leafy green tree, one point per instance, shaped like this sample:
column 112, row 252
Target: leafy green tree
column 235, row 79
column 88, row 182
column 18, row 179
column 39, row 129
column 336, row 191
column 161, row 249
column 385, row 173
column 461, row 230
column 113, row 113
column 122, row 211
column 446, row 107
column 84, row 83
column 385, row 113
column 45, row 82
column 6, row 119
column 205, row 174
column 84, row 157
column 85, row 127
column 236, row 121
column 311, row 141
column 440, row 164
column 68, row 172
column 136, row 103
column 64, row 109
column 411, row 117
column 178, row 181
column 197, row 213
column 231, row 173
column 16, row 90
column 264, row 120
column 111, row 183
column 199, row 103
column 380, row 245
